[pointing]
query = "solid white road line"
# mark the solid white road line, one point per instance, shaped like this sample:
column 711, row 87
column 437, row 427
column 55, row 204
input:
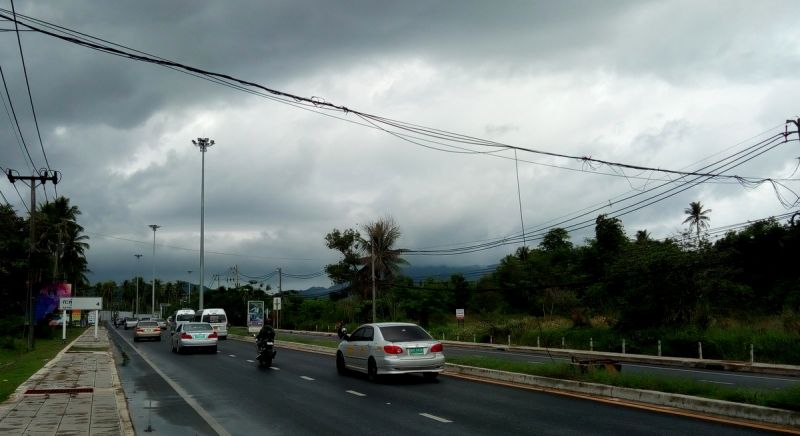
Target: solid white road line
column 306, row 378
column 717, row 382
column 358, row 394
column 435, row 418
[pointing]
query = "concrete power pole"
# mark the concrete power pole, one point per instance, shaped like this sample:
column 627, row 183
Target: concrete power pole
column 43, row 177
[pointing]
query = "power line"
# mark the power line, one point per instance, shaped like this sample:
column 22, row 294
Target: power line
column 320, row 103
column 16, row 121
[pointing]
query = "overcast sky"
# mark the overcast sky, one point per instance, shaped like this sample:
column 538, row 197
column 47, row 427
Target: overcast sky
column 664, row 84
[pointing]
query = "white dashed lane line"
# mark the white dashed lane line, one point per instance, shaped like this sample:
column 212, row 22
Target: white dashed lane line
column 716, row 382
column 231, row 355
column 436, row 418
column 358, row 394
column 251, row 361
column 306, row 378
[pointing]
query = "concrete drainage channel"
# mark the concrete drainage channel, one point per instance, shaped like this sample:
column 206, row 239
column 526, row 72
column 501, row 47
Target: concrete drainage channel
column 748, row 412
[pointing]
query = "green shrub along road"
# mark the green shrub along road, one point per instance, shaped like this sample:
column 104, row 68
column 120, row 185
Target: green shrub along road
column 17, row 364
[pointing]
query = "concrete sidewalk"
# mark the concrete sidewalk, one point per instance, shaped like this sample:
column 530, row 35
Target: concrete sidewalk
column 78, row 392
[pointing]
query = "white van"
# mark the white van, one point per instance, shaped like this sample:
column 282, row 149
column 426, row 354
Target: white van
column 217, row 318
column 179, row 317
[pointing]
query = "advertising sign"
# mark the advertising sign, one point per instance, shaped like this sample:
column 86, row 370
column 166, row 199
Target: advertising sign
column 48, row 298
column 255, row 316
column 460, row 314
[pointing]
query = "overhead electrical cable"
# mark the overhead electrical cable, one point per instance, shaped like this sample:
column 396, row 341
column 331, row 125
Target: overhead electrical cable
column 16, row 120
column 322, row 104
column 30, row 98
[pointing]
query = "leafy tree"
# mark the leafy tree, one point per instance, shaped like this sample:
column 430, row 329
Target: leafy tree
column 347, row 243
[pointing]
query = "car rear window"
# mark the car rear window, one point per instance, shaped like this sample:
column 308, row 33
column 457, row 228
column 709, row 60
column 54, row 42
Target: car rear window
column 214, row 318
column 196, row 327
column 148, row 324
column 404, row 333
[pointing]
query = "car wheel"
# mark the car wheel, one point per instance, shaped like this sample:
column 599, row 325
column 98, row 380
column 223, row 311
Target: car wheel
column 212, row 350
column 430, row 376
column 372, row 370
column 341, row 368
column 172, row 346
column 135, row 339
column 158, row 339
column 180, row 349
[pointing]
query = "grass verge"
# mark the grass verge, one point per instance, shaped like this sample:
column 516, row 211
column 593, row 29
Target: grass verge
column 17, row 365
column 788, row 398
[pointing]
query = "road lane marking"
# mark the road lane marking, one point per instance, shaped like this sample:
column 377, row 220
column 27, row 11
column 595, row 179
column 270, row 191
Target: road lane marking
column 707, row 371
column 251, row 361
column 358, row 394
column 221, row 431
column 306, row 378
column 231, row 355
column 275, row 368
column 436, row 418
column 717, row 382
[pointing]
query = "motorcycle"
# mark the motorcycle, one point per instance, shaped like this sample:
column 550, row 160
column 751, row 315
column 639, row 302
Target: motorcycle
column 266, row 352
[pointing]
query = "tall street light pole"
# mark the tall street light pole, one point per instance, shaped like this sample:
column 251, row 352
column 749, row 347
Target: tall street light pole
column 189, row 285
column 202, row 144
column 153, row 301
column 136, row 306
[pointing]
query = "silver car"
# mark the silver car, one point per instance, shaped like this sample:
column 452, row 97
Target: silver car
column 390, row 348
column 146, row 330
column 193, row 336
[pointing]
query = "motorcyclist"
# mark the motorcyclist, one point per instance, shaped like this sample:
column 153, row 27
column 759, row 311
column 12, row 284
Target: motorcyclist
column 267, row 333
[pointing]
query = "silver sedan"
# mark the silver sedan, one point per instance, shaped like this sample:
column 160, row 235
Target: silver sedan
column 193, row 336
column 390, row 348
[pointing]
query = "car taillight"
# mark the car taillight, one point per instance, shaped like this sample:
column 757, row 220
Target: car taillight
column 139, row 330
column 392, row 349
column 185, row 335
column 437, row 348
column 212, row 335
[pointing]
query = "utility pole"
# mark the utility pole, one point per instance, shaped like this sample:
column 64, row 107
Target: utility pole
column 43, row 177
column 189, row 285
column 372, row 256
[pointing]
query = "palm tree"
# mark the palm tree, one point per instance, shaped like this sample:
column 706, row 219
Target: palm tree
column 643, row 236
column 381, row 237
column 697, row 217
column 63, row 235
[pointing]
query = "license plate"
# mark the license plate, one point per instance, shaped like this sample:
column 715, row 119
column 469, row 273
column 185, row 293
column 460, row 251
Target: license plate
column 416, row 351
column 270, row 343
column 199, row 336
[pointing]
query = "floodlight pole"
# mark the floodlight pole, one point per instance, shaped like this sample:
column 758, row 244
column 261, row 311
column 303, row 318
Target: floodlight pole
column 202, row 144
column 136, row 305
column 153, row 301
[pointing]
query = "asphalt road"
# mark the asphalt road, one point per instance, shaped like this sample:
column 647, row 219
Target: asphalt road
column 303, row 394
column 725, row 378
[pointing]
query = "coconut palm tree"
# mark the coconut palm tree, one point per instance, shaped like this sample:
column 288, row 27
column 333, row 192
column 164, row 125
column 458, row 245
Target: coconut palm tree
column 697, row 217
column 379, row 245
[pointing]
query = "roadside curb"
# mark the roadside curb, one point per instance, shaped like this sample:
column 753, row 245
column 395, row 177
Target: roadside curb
column 728, row 409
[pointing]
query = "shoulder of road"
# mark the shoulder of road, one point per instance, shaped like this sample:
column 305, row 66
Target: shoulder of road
column 665, row 402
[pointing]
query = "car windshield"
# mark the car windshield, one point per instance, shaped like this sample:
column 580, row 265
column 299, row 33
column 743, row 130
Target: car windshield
column 184, row 317
column 148, row 324
column 404, row 333
column 196, row 327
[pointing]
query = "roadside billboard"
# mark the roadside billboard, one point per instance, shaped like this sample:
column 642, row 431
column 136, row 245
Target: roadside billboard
column 255, row 316
column 48, row 298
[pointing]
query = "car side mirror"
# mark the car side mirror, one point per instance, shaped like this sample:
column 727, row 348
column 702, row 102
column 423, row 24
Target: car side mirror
column 346, row 337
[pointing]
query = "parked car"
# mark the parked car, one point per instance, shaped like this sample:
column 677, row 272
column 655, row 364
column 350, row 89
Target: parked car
column 161, row 323
column 130, row 323
column 194, row 335
column 147, row 330
column 390, row 348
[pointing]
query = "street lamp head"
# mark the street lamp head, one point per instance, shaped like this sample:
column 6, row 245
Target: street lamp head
column 203, row 143
column 154, row 227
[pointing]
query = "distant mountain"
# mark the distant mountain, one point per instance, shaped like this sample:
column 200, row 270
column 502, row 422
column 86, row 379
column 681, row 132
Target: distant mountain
column 417, row 273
